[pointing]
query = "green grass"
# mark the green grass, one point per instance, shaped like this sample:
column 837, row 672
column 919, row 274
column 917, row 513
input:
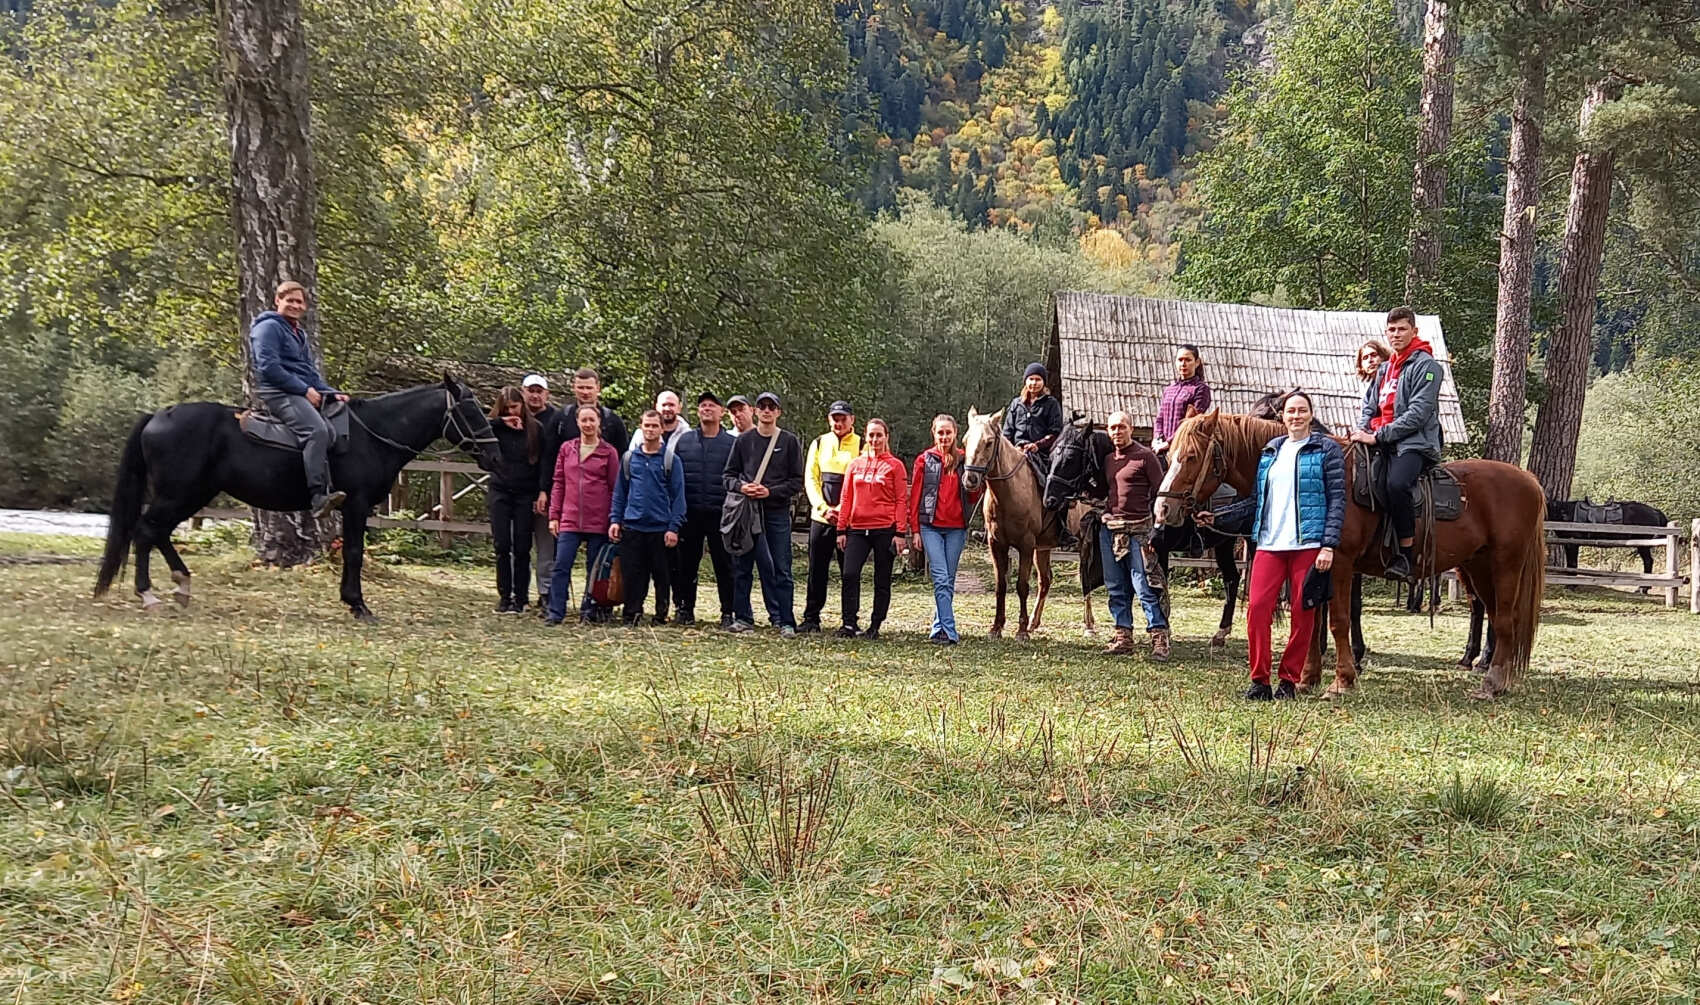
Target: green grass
column 253, row 800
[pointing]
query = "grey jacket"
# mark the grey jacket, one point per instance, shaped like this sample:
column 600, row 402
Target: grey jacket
column 1416, row 407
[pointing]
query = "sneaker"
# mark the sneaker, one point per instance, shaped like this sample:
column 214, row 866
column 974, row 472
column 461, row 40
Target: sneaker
column 327, row 504
column 505, row 607
column 726, row 621
column 788, row 632
column 1398, row 568
column 685, row 619
column 872, row 634
column 1259, row 692
column 1286, row 691
column 518, row 607
column 551, row 622
column 740, row 627
column 847, row 632
column 941, row 639
column 807, row 628
column 658, row 620
column 543, row 605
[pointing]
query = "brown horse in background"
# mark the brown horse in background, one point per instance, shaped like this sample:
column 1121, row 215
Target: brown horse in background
column 1015, row 515
column 1497, row 544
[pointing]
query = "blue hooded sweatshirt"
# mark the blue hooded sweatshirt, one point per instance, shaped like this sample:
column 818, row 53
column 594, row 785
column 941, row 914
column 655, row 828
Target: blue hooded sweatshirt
column 281, row 357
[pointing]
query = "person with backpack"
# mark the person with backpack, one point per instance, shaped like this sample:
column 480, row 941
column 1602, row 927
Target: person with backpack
column 702, row 452
column 519, row 441
column 647, row 512
column 873, row 521
column 939, row 508
column 581, row 498
column 766, row 465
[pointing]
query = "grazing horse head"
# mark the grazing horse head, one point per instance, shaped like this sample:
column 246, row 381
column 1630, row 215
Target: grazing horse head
column 1076, row 463
column 980, row 449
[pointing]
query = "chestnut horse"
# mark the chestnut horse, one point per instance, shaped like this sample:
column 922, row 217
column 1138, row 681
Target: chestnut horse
column 1497, row 544
column 1015, row 515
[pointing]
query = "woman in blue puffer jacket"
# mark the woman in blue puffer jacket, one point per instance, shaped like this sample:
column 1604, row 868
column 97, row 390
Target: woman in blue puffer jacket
column 1300, row 502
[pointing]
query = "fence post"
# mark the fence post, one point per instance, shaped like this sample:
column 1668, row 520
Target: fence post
column 445, row 504
column 1694, row 567
column 398, row 491
column 1673, row 563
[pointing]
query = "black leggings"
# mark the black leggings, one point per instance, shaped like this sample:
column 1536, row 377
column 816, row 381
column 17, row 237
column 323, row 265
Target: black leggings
column 858, row 545
column 1403, row 470
column 510, row 528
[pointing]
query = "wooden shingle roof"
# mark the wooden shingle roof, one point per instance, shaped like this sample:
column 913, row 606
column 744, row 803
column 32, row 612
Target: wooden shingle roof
column 1110, row 353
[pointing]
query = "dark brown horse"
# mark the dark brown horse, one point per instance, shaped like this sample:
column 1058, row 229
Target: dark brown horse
column 1497, row 544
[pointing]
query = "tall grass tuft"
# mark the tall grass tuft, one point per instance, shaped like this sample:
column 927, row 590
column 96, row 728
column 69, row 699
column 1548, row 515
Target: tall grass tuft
column 778, row 826
column 1483, row 801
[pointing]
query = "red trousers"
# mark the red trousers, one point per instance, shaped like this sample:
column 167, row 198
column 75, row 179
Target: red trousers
column 1269, row 569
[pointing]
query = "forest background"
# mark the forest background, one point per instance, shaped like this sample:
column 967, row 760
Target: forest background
column 872, row 200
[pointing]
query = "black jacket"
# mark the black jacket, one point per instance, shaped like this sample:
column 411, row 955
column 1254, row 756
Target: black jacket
column 517, row 472
column 704, row 461
column 1040, row 422
column 784, row 476
column 563, row 426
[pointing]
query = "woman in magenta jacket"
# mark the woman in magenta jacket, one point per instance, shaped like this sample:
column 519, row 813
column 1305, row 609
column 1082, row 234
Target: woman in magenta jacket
column 579, row 502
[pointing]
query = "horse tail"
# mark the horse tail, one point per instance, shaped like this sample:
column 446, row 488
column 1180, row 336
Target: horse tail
column 1530, row 591
column 126, row 506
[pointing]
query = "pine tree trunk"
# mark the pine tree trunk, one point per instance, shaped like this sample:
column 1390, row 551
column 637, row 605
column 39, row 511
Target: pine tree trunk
column 1506, row 402
column 1441, row 41
column 1552, row 454
column 264, row 71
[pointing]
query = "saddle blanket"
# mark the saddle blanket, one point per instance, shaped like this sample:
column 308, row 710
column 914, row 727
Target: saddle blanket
column 1369, row 487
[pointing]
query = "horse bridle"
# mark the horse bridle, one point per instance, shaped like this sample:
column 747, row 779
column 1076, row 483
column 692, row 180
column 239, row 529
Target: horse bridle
column 980, row 469
column 462, row 438
column 1218, row 469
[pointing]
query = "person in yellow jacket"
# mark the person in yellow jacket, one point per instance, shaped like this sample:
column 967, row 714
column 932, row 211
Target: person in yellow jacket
column 823, row 479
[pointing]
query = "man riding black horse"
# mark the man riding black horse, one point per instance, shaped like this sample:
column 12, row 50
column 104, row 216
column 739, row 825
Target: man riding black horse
column 293, row 391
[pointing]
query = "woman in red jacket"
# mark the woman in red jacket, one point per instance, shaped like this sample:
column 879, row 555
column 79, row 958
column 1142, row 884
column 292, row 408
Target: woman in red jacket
column 873, row 519
column 579, row 501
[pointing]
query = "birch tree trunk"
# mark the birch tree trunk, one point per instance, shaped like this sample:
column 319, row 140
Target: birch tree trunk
column 1516, row 264
column 264, row 77
column 1552, row 454
column 1441, row 42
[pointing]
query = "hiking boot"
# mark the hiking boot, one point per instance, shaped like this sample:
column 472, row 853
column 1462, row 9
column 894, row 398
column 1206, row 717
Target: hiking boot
column 1259, row 692
column 1122, row 644
column 807, row 628
column 1398, row 568
column 325, row 505
column 1160, row 645
column 847, row 632
column 1286, row 691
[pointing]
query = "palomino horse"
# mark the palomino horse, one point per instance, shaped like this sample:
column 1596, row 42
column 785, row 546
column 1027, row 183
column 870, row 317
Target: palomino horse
column 187, row 454
column 1497, row 543
column 1015, row 514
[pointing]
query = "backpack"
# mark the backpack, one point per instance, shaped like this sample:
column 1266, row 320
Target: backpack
column 603, row 585
column 668, row 449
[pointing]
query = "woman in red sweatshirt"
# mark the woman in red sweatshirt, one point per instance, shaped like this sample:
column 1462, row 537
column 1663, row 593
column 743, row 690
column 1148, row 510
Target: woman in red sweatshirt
column 873, row 519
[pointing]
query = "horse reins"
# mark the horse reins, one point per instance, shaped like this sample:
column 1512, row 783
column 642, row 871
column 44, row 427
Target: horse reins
column 463, row 438
column 1218, row 469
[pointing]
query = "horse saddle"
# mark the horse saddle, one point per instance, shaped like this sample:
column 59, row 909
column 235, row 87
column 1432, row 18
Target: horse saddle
column 1592, row 512
column 264, row 429
column 1435, row 486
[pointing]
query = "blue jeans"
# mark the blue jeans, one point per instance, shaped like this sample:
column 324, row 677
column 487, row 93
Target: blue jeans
column 561, row 579
column 943, row 546
column 1125, row 577
column 772, row 557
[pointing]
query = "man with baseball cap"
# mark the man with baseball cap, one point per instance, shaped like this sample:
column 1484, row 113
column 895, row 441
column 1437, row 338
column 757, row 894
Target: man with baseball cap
column 823, row 479
column 702, row 452
column 743, row 415
column 535, row 388
column 781, row 479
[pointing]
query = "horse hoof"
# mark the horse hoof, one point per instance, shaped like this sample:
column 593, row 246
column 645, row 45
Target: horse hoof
column 1219, row 640
column 1090, row 633
column 1483, row 694
column 1334, row 691
column 1465, row 664
column 1482, row 667
column 995, row 634
column 1022, row 636
column 149, row 601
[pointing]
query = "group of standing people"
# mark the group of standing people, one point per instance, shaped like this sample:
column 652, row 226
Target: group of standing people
column 571, row 483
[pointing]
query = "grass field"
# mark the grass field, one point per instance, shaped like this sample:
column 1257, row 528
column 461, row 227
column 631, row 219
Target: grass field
column 253, row 800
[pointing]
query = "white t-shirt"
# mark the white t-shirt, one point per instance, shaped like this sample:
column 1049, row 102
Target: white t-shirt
column 1281, row 501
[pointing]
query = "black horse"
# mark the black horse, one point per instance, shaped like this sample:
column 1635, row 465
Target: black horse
column 1613, row 512
column 1077, row 472
column 187, row 454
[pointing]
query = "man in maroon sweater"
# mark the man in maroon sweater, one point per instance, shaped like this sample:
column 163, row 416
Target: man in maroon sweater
column 1132, row 472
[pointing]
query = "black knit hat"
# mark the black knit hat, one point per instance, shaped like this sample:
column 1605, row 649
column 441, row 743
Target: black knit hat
column 1036, row 369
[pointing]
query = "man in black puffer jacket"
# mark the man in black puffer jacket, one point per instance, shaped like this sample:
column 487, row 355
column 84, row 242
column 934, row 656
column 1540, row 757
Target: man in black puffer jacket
column 703, row 452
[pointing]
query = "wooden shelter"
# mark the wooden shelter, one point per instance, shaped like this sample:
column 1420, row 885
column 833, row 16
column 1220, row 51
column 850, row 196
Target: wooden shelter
column 1110, row 353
